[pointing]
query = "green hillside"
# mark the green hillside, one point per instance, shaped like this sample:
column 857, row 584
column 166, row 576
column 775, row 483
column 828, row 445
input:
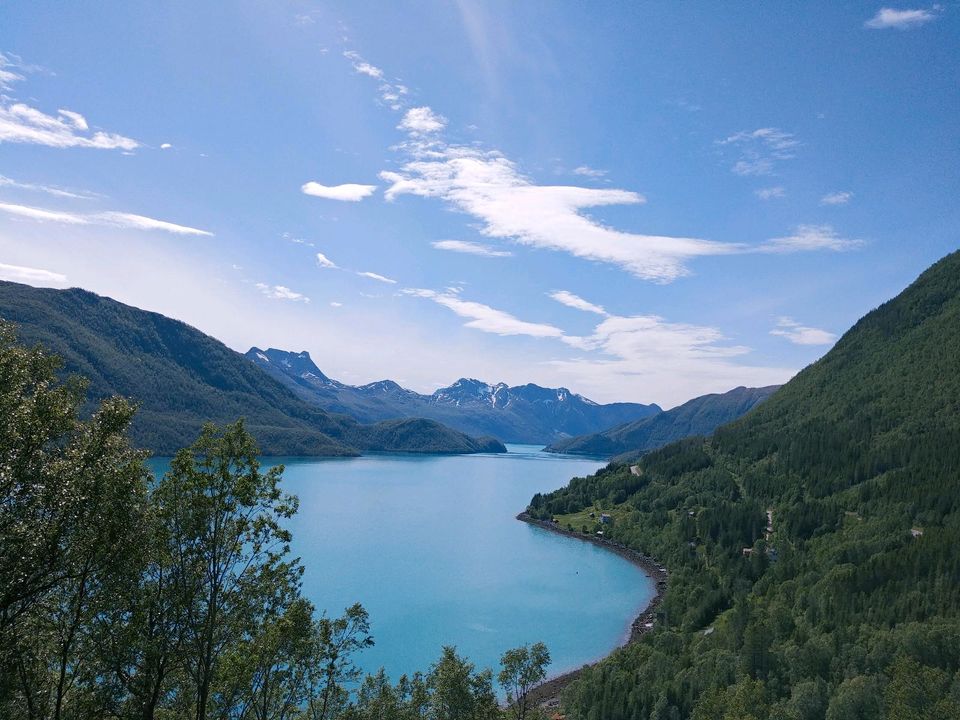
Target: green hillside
column 700, row 416
column 848, row 604
column 182, row 378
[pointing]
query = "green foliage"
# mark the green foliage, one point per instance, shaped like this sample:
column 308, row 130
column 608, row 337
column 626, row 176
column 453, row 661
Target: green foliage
column 849, row 606
column 130, row 598
column 523, row 668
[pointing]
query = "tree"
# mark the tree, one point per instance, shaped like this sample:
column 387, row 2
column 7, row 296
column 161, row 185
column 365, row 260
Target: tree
column 223, row 519
column 72, row 494
column 335, row 641
column 522, row 669
column 457, row 692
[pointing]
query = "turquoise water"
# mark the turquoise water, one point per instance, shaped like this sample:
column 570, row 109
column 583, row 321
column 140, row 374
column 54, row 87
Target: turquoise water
column 430, row 546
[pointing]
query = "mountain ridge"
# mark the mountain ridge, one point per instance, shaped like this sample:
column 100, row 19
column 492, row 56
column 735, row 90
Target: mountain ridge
column 182, row 378
column 523, row 413
column 698, row 416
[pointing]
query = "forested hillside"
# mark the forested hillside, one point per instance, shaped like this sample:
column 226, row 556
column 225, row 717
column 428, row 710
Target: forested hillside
column 700, row 416
column 182, row 378
column 812, row 545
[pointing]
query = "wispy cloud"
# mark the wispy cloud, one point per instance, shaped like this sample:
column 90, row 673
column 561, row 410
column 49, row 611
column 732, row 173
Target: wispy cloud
column 325, row 262
column 770, row 193
column 490, row 187
column 20, row 123
column 9, row 70
column 470, row 248
column 348, row 192
column 902, row 19
column 124, row 220
column 30, row 276
column 280, row 292
column 575, row 301
column 674, row 361
column 808, row 238
column 801, row 334
column 587, row 171
column 363, row 67
column 836, row 198
column 377, row 277
column 48, row 189
column 485, row 318
column 422, row 121
column 760, row 150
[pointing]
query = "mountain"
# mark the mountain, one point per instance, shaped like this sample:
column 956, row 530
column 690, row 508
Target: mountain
column 182, row 378
column 700, row 416
column 811, row 544
column 524, row 414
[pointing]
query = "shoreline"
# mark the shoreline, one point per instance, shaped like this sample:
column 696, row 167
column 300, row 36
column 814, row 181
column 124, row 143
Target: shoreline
column 547, row 693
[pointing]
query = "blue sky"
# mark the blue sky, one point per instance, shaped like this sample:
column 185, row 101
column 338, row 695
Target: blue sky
column 636, row 201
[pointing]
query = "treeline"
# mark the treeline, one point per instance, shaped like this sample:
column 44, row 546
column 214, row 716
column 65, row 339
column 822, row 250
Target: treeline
column 848, row 606
column 125, row 596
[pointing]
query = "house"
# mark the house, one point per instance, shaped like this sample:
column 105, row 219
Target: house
column 605, row 518
column 916, row 532
column 748, row 552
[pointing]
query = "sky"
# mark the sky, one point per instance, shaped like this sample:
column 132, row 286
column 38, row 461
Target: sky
column 637, row 201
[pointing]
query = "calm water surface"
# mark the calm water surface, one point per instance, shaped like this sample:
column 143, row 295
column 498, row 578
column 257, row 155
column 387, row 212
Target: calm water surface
column 430, row 547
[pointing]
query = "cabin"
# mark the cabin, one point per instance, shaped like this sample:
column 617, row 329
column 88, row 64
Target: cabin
column 605, row 518
column 748, row 552
column 916, row 532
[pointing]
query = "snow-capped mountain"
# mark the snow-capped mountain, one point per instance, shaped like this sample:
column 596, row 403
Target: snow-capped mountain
column 523, row 413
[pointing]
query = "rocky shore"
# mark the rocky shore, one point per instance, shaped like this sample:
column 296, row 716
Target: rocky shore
column 547, row 694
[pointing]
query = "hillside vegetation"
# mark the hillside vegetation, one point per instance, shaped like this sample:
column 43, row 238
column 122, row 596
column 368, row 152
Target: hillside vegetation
column 812, row 544
column 182, row 378
column 700, row 416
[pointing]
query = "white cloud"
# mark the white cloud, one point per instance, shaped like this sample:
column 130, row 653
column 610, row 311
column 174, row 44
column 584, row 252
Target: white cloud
column 770, row 192
column 109, row 219
column 165, row 146
column 336, row 304
column 901, row 19
column 377, row 277
column 575, row 301
column 348, row 192
column 471, row 248
column 485, row 318
column 810, row 237
column 673, row 361
column 491, row 188
column 280, row 292
column 836, row 198
column 74, row 118
column 760, row 150
column 422, row 121
column 20, row 123
column 30, row 276
column 589, row 172
column 139, row 222
column 325, row 262
column 8, row 73
column 363, row 67
column 48, row 189
column 800, row 334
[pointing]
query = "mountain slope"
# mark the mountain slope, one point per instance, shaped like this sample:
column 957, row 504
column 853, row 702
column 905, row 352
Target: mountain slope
column 525, row 413
column 700, row 416
column 811, row 544
column 182, row 378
